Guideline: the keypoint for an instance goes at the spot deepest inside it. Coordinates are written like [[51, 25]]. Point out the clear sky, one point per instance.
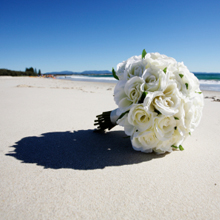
[[78, 35]]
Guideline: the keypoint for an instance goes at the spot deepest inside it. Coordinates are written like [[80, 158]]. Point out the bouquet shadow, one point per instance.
[[81, 150]]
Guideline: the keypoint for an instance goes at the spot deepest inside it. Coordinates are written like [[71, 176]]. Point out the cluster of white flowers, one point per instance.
[[159, 102]]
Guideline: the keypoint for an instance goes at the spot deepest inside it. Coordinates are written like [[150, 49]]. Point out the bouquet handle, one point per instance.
[[107, 120]]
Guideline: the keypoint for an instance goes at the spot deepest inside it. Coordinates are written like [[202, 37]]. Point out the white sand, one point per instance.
[[54, 167]]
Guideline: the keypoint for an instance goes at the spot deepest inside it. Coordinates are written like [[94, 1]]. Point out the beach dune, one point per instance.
[[53, 166]]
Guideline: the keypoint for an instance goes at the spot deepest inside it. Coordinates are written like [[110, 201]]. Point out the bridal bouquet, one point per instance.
[[159, 102]]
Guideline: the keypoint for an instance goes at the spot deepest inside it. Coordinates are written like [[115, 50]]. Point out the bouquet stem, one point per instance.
[[104, 121]]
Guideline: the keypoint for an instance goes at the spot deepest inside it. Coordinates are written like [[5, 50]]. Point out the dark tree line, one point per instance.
[[32, 70], [6, 72], [28, 72]]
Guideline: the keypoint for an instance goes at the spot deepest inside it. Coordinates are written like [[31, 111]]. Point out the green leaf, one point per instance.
[[121, 116], [144, 94], [174, 146], [189, 133], [159, 113], [165, 70], [144, 53], [175, 127], [186, 85], [181, 148], [181, 75], [176, 118], [114, 74], [199, 92]]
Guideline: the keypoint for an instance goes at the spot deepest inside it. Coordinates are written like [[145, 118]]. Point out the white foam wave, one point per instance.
[[213, 82], [88, 78], [93, 78], [212, 85]]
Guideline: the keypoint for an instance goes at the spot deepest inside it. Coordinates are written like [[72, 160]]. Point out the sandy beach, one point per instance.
[[53, 166]]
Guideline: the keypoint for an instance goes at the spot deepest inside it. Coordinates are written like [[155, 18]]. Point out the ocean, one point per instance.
[[208, 81]]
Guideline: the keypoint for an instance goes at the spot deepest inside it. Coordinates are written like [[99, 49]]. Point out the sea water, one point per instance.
[[208, 81]]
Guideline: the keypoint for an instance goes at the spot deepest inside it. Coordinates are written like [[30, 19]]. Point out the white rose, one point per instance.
[[155, 56], [129, 129], [198, 104], [193, 112], [158, 56], [166, 146], [120, 70], [144, 141], [190, 113], [127, 94], [159, 60], [166, 102], [180, 116], [186, 81], [135, 66], [164, 127], [119, 93], [155, 79], [140, 117]]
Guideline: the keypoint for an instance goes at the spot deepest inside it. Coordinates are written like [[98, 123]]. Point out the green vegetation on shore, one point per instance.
[[28, 72]]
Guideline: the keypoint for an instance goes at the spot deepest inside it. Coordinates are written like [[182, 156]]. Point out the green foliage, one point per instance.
[[144, 53], [39, 72], [114, 74], [122, 115], [174, 146], [165, 70], [144, 94], [31, 69], [6, 72], [181, 147], [158, 112]]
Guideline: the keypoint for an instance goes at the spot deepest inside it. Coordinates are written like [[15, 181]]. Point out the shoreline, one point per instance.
[[205, 86], [208, 85], [206, 92], [87, 83]]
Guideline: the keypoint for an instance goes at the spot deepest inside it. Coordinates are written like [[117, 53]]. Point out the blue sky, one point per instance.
[[98, 34]]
